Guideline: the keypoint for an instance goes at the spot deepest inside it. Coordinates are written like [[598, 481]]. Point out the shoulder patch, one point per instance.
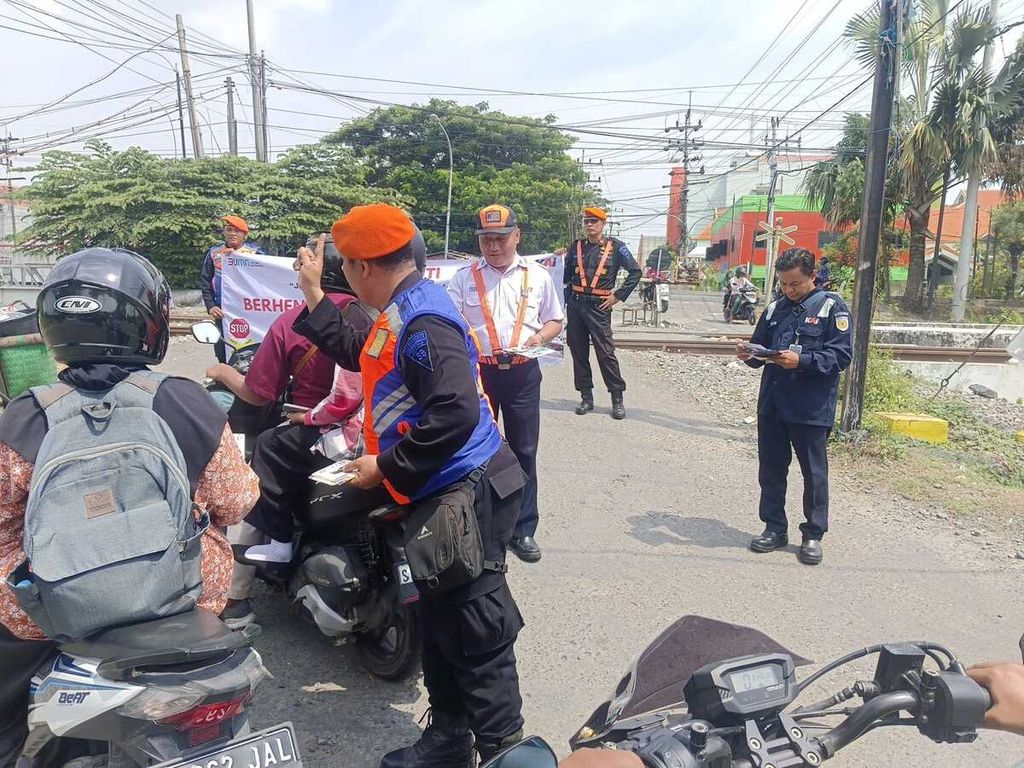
[[417, 349], [842, 323], [377, 345]]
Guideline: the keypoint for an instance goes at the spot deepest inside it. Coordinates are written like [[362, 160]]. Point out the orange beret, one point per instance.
[[237, 222], [371, 231], [597, 213]]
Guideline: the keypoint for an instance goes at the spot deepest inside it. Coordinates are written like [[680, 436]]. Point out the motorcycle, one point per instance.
[[654, 289], [747, 309], [707, 694], [171, 692], [348, 573]]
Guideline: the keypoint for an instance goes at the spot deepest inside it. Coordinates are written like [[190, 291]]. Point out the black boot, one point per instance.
[[488, 749], [618, 408], [446, 743], [586, 402]]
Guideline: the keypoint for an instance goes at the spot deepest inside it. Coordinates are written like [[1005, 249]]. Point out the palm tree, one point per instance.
[[941, 128]]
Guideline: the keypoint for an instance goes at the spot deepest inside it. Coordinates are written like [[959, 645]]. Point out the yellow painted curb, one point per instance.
[[1020, 437], [918, 427]]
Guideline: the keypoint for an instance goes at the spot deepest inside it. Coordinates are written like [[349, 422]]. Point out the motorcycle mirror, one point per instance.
[[533, 752], [206, 332]]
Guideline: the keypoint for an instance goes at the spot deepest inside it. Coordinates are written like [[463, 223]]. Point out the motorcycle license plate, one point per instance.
[[271, 747]]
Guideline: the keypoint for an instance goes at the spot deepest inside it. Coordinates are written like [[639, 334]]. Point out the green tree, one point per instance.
[[169, 210], [1008, 228], [519, 162]]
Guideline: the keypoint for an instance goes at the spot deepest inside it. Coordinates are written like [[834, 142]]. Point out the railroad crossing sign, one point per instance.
[[779, 233]]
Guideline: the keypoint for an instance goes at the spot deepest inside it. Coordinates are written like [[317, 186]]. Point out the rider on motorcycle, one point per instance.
[[124, 329], [282, 456], [739, 284]]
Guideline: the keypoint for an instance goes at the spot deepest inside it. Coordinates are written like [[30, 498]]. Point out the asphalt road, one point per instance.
[[644, 521]]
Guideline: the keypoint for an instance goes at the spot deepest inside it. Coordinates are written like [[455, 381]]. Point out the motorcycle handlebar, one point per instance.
[[857, 724]]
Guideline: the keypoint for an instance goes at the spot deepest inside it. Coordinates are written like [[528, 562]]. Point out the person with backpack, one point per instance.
[[115, 481]]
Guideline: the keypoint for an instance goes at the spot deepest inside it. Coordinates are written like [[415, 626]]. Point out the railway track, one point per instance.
[[181, 325], [908, 352]]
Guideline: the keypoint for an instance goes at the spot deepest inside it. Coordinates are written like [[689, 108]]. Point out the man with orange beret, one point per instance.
[[432, 442], [591, 268], [235, 231]]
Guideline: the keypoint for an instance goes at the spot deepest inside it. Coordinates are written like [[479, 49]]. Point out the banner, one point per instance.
[[256, 289]]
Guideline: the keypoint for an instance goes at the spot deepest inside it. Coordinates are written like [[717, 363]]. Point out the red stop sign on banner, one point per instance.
[[239, 328]]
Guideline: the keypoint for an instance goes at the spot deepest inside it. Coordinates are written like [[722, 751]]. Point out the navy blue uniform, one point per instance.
[[797, 408]]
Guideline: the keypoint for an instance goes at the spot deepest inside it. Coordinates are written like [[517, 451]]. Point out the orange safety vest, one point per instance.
[[391, 410], [592, 288], [485, 307]]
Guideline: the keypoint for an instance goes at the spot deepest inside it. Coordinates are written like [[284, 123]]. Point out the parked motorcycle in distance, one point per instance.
[[348, 574], [707, 694]]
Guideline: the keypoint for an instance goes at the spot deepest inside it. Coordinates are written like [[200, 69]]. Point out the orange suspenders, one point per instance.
[[592, 288], [492, 332]]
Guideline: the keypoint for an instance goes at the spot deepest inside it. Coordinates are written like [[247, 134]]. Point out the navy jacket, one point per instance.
[[820, 324]]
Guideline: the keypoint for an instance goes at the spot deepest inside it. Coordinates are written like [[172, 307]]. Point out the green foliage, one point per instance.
[[519, 162], [888, 387], [168, 210]]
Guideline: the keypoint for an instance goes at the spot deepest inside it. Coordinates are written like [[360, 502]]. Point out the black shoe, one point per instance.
[[586, 403], [810, 552], [446, 743], [525, 548], [769, 541], [238, 615], [618, 407]]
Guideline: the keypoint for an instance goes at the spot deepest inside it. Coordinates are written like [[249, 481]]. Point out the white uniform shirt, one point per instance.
[[503, 293]]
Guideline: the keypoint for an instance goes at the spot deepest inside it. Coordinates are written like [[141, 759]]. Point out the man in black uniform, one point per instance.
[[809, 332], [591, 266], [432, 441]]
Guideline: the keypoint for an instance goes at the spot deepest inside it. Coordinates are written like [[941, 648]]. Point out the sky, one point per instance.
[[622, 67]]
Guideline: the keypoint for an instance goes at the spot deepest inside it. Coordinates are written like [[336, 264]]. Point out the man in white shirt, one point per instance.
[[511, 304]]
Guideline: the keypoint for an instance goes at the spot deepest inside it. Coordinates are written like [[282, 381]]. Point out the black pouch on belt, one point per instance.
[[442, 539]]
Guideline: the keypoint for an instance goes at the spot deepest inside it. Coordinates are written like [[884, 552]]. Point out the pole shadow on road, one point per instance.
[[697, 427], [657, 528], [354, 726]]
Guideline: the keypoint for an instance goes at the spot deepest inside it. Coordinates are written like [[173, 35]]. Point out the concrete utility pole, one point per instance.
[[771, 246], [962, 276], [186, 73], [256, 79], [181, 115], [871, 215], [5, 159], [686, 145], [451, 174], [232, 123]]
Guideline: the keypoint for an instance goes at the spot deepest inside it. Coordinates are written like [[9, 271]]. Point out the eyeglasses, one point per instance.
[[591, 221]]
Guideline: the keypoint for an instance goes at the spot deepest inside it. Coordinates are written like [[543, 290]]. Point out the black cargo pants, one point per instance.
[[588, 322]]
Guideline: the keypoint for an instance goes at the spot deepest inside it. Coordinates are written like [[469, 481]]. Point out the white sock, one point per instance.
[[274, 552]]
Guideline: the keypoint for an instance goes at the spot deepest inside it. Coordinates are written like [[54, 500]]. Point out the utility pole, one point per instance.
[[181, 115], [871, 214], [5, 160], [686, 145], [232, 123], [771, 245], [256, 79], [263, 106], [186, 73], [961, 277]]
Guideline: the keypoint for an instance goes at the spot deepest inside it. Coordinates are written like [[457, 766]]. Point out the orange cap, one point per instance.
[[237, 222], [371, 231], [597, 213]]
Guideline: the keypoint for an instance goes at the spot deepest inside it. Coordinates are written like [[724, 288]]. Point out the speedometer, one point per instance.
[[737, 689]]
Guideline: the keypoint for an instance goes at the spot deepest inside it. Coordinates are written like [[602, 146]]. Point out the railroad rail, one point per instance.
[[182, 323], [907, 352]]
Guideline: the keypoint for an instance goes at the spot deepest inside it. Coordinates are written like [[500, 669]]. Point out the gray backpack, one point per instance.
[[111, 535]]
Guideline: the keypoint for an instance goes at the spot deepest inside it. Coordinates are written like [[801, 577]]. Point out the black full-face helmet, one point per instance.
[[105, 305]]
